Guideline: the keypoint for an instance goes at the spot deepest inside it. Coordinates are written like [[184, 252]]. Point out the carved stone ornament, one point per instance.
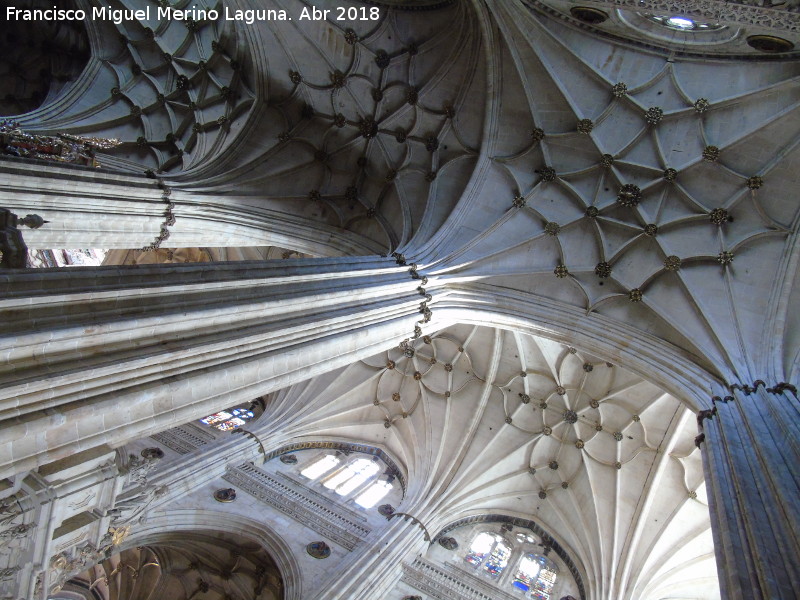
[[552, 228], [606, 161], [350, 37], [509, 420], [546, 430], [553, 464], [672, 263], [603, 269], [561, 271], [412, 597], [670, 174], [542, 494], [412, 96], [524, 398], [288, 459], [585, 126], [710, 153], [651, 229], [570, 416], [118, 534], [592, 212], [598, 427], [561, 390], [588, 367], [537, 134], [718, 216], [368, 128], [338, 79], [617, 465], [754, 182], [619, 90], [725, 257], [653, 115], [547, 173], [701, 105], [318, 550], [635, 295], [579, 444], [629, 195], [448, 543], [636, 418], [152, 453], [225, 495], [564, 485], [386, 510], [594, 404]]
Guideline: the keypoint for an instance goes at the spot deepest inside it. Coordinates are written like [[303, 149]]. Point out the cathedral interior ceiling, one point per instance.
[[630, 183], [494, 145], [489, 421]]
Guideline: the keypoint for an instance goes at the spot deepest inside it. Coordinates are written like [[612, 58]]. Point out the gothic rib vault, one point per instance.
[[569, 190]]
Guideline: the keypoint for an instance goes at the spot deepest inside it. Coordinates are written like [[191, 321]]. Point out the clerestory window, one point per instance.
[[359, 477]]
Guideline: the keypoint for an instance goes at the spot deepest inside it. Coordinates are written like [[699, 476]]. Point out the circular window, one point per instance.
[[683, 23]]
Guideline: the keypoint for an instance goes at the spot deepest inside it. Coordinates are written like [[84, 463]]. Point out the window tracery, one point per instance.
[[532, 574], [359, 478]]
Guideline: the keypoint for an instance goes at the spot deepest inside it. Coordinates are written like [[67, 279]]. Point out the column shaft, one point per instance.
[[752, 468], [111, 354]]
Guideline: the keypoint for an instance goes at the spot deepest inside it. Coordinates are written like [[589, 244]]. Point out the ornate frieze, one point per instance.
[[302, 504], [184, 439]]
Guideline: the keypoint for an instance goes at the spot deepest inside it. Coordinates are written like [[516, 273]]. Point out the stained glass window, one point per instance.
[[323, 465], [491, 551], [374, 494], [227, 420], [498, 559], [536, 575], [527, 573]]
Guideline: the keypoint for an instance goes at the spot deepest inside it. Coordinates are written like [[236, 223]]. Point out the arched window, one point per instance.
[[352, 476], [227, 420], [535, 574], [357, 476], [489, 552], [321, 466], [374, 494]]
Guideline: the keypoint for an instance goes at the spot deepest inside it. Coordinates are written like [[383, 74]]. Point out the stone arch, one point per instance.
[[169, 522], [674, 370], [348, 445]]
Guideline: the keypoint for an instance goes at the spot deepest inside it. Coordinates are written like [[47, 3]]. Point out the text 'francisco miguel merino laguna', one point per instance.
[[118, 16]]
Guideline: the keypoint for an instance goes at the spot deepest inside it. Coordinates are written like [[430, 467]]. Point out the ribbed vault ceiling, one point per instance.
[[488, 141], [184, 567], [491, 421]]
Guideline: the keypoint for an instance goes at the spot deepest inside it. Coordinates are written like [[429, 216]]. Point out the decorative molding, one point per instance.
[[184, 439], [303, 507], [448, 582]]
